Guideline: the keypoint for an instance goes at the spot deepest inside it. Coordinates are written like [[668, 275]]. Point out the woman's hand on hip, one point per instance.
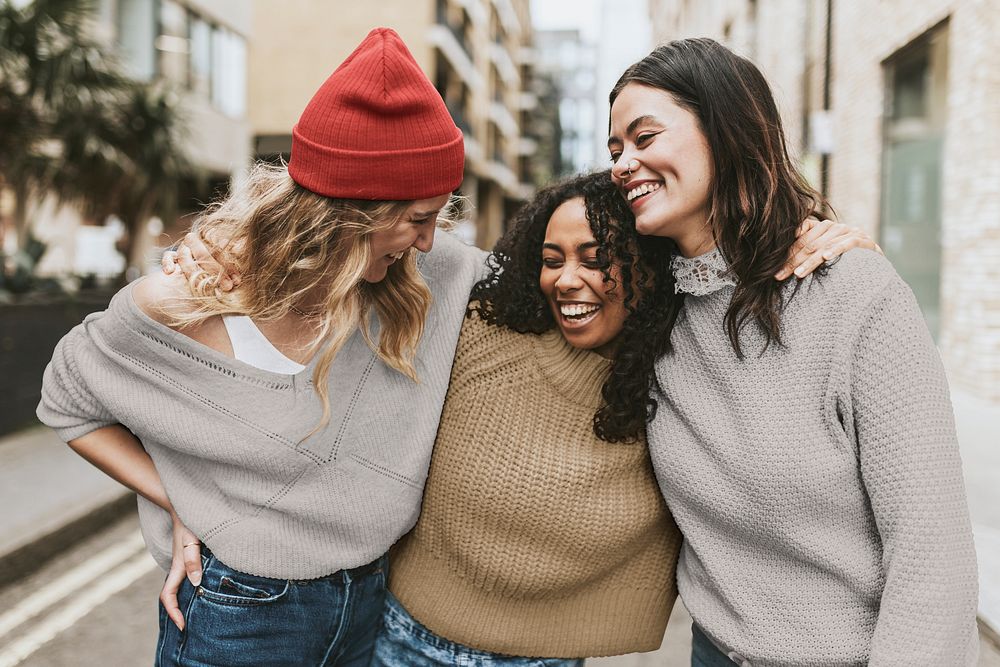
[[186, 562], [197, 261], [820, 241]]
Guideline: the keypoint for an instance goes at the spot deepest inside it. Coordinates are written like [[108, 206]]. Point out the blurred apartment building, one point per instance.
[[199, 47], [477, 52], [566, 88], [891, 108]]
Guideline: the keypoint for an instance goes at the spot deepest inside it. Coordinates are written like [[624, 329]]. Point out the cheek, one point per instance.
[[547, 282]]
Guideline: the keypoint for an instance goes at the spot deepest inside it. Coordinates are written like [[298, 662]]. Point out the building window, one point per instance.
[[172, 43], [201, 58], [136, 32], [229, 72], [912, 157]]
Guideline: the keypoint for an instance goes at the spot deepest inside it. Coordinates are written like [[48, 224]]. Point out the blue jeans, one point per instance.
[[704, 653], [403, 642], [235, 618]]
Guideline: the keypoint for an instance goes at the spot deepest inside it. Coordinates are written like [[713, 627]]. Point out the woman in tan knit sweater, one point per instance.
[[535, 537]]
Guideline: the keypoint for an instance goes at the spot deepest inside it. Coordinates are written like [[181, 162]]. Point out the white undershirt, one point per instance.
[[251, 346]]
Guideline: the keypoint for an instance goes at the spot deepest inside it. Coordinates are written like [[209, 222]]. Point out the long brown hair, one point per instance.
[[289, 242], [758, 198]]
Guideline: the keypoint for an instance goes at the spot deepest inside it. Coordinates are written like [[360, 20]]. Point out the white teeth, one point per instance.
[[569, 310], [643, 189]]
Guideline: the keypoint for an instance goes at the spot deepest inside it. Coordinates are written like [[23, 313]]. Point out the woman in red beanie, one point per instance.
[[278, 434]]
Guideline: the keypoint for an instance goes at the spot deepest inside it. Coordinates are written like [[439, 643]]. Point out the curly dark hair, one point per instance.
[[510, 295]]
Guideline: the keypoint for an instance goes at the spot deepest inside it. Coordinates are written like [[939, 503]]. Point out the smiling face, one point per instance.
[[414, 229], [663, 164], [571, 279]]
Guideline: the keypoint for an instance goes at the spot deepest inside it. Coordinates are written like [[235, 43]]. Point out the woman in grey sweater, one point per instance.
[[802, 433], [295, 460]]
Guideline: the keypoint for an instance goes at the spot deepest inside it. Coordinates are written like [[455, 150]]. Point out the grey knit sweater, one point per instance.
[[818, 486], [229, 440]]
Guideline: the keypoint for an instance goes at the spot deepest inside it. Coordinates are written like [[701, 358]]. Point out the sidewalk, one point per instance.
[[52, 498], [978, 424]]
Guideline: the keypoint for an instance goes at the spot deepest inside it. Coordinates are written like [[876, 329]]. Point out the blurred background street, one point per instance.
[[119, 119]]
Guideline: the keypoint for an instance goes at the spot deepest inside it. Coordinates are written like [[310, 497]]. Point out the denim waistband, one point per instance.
[[351, 573]]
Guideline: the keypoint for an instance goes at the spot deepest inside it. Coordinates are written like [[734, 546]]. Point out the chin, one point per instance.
[[647, 227]]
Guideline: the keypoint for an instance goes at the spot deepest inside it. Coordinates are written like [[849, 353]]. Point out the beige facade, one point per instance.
[[475, 51], [911, 135]]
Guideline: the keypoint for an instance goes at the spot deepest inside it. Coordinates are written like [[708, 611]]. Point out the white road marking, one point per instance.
[[86, 586], [68, 583]]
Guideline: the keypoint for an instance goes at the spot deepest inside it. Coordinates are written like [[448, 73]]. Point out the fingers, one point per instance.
[[185, 260], [806, 245], [858, 239], [168, 596], [212, 259], [168, 262], [192, 563], [806, 225], [809, 264]]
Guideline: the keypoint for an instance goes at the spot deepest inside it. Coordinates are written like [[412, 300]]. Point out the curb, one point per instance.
[[29, 558], [988, 634]]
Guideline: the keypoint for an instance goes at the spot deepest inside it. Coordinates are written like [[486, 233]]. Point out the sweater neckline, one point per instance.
[[576, 374], [183, 344], [701, 275]]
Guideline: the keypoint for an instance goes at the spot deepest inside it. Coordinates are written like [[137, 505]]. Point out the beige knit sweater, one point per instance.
[[535, 538]]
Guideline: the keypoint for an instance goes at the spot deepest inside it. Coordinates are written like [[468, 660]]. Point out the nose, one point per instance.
[[568, 280], [425, 238], [624, 167]]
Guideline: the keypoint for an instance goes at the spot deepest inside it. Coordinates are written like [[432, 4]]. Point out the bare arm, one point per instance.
[[120, 455]]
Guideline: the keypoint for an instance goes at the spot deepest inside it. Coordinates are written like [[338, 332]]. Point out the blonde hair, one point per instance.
[[287, 242]]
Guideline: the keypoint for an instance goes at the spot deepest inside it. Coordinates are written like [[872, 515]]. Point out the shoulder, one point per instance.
[[856, 279], [490, 344], [162, 297], [476, 330], [154, 293], [450, 258]]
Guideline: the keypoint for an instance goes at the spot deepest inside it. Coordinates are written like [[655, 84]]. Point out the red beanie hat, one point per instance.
[[377, 129]]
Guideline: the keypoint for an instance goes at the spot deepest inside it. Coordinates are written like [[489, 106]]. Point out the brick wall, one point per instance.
[[785, 43]]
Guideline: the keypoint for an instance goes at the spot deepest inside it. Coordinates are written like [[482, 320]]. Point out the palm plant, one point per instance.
[[74, 126]]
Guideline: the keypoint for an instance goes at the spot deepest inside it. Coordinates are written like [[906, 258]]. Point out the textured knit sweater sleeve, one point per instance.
[[911, 470], [68, 405]]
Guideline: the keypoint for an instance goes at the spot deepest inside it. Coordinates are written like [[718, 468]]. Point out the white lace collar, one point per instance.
[[701, 275]]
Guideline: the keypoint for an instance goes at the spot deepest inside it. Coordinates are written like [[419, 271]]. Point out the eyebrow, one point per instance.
[[425, 214], [631, 128], [583, 246]]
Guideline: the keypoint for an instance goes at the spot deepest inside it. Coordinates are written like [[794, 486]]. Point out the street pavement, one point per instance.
[[95, 603]]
